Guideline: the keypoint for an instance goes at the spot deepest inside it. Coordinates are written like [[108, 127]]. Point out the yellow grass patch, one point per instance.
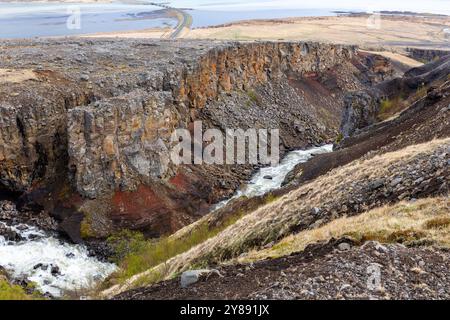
[[395, 32], [423, 221], [16, 75]]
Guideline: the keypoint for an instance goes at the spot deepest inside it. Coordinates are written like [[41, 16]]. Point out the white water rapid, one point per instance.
[[271, 178], [53, 265]]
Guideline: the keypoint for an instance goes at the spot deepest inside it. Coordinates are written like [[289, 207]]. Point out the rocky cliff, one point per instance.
[[426, 55], [86, 135], [388, 98]]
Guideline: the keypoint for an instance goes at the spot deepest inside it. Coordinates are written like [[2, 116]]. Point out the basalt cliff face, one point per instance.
[[371, 105], [85, 132]]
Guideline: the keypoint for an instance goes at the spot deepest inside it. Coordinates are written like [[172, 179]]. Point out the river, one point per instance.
[[57, 266], [270, 178], [53, 265]]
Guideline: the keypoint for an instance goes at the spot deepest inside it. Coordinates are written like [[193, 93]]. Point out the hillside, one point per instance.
[[86, 131], [318, 225]]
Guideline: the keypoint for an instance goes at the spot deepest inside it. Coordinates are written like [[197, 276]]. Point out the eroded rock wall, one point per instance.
[[122, 142], [96, 120], [119, 143], [362, 108], [427, 55], [242, 66]]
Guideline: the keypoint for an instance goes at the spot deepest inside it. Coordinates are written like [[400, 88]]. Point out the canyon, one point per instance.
[[87, 137], [85, 142]]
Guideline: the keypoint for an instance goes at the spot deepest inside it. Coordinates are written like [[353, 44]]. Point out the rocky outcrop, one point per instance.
[[362, 108], [91, 128], [426, 55], [120, 143]]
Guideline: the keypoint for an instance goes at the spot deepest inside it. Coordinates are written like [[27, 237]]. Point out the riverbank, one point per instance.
[[34, 256]]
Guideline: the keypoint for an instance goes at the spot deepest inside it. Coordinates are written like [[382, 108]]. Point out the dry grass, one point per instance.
[[397, 57], [16, 75], [394, 31], [277, 219], [391, 107], [423, 221]]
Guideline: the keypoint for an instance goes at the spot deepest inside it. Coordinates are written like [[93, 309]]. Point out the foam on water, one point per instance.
[[77, 269], [260, 184]]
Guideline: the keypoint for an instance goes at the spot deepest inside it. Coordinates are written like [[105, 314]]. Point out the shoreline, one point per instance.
[[345, 27]]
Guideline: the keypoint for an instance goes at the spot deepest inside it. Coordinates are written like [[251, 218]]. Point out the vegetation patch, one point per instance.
[[14, 292], [389, 107], [437, 223], [135, 254], [254, 97], [85, 227], [423, 222]]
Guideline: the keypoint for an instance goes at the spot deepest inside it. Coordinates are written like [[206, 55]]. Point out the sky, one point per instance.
[[430, 6]]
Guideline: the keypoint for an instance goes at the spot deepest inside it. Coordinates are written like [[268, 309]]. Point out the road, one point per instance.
[[184, 20]]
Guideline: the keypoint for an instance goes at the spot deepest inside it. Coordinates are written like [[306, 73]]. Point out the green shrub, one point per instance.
[[340, 137], [254, 96], [126, 242], [421, 92], [14, 292], [386, 105]]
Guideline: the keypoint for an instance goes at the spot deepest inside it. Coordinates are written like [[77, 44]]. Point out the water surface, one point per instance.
[[271, 178], [34, 257]]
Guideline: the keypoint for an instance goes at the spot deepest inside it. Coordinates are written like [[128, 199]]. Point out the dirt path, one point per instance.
[[184, 24]]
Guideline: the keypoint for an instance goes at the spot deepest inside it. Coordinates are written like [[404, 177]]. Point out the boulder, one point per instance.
[[192, 276]]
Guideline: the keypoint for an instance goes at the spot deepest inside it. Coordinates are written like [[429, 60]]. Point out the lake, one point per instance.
[[26, 20]]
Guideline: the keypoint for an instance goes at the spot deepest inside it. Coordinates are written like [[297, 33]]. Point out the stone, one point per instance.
[[55, 271], [41, 266], [381, 248], [192, 276], [345, 287], [344, 246], [9, 234], [396, 181], [376, 184]]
